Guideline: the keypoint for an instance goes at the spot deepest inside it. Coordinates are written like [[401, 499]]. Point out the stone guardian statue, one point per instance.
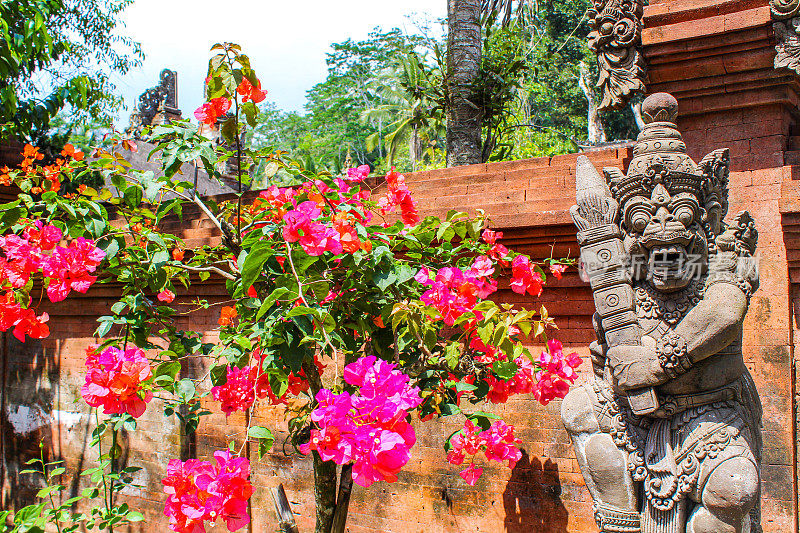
[[667, 434]]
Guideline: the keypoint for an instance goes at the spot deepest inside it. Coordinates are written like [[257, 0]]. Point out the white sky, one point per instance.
[[286, 40]]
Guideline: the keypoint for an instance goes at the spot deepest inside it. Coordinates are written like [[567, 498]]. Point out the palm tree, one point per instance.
[[416, 117], [464, 41]]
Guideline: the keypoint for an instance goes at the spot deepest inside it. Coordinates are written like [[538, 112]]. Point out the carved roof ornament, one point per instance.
[[157, 105], [786, 14], [616, 38]]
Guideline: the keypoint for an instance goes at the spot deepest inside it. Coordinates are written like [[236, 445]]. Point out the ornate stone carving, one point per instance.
[[671, 419], [786, 13], [158, 104], [616, 38]]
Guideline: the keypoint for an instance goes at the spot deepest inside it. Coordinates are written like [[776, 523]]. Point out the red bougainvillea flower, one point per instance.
[[70, 151], [238, 392], [166, 296], [525, 278], [399, 196], [177, 254], [368, 428], [226, 315], [558, 270], [248, 91], [209, 112], [201, 491], [497, 443], [31, 325], [114, 381]]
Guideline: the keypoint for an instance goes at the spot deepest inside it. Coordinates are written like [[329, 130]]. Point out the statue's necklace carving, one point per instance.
[[652, 304]]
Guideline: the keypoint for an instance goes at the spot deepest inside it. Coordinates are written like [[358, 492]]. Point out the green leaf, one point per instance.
[[219, 375], [264, 436], [167, 372], [505, 369], [384, 278], [133, 196], [134, 516], [185, 389], [47, 491], [271, 299], [300, 310], [11, 216], [254, 262]]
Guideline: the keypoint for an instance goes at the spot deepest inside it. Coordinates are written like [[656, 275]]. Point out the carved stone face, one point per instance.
[[667, 244]]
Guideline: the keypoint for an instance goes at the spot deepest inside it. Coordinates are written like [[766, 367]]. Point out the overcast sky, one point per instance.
[[286, 40]]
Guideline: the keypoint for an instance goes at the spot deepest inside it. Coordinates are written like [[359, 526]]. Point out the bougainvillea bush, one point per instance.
[[358, 316]]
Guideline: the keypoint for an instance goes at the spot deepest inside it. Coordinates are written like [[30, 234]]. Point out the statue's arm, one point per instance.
[[714, 322], [708, 328]]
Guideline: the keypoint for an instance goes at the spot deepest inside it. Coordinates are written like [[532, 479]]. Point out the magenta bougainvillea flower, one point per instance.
[[64, 269], [454, 292], [70, 268], [114, 380], [201, 491], [368, 428]]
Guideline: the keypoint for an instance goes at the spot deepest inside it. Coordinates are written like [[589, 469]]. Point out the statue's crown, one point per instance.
[[659, 155]]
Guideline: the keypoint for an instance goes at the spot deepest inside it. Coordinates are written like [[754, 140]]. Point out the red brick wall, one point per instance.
[[543, 493]]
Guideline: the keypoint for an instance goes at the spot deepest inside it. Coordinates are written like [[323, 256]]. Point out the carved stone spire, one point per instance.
[[157, 105], [786, 13], [616, 38]]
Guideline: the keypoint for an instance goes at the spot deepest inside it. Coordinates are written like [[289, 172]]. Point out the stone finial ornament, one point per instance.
[[616, 38], [667, 433], [157, 105], [786, 14]]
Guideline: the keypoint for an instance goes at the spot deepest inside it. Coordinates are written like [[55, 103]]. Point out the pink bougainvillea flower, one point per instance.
[[212, 110], [68, 268], [166, 296], [558, 270], [201, 491], [471, 474], [114, 381], [248, 91], [368, 428], [358, 174]]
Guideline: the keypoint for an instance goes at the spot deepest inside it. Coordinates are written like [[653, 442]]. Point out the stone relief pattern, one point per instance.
[[786, 14], [616, 38]]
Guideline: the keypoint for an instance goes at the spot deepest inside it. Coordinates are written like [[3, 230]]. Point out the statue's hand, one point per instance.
[[635, 367]]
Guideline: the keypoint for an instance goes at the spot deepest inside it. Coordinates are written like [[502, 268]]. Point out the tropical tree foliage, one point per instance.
[[56, 54], [385, 100]]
